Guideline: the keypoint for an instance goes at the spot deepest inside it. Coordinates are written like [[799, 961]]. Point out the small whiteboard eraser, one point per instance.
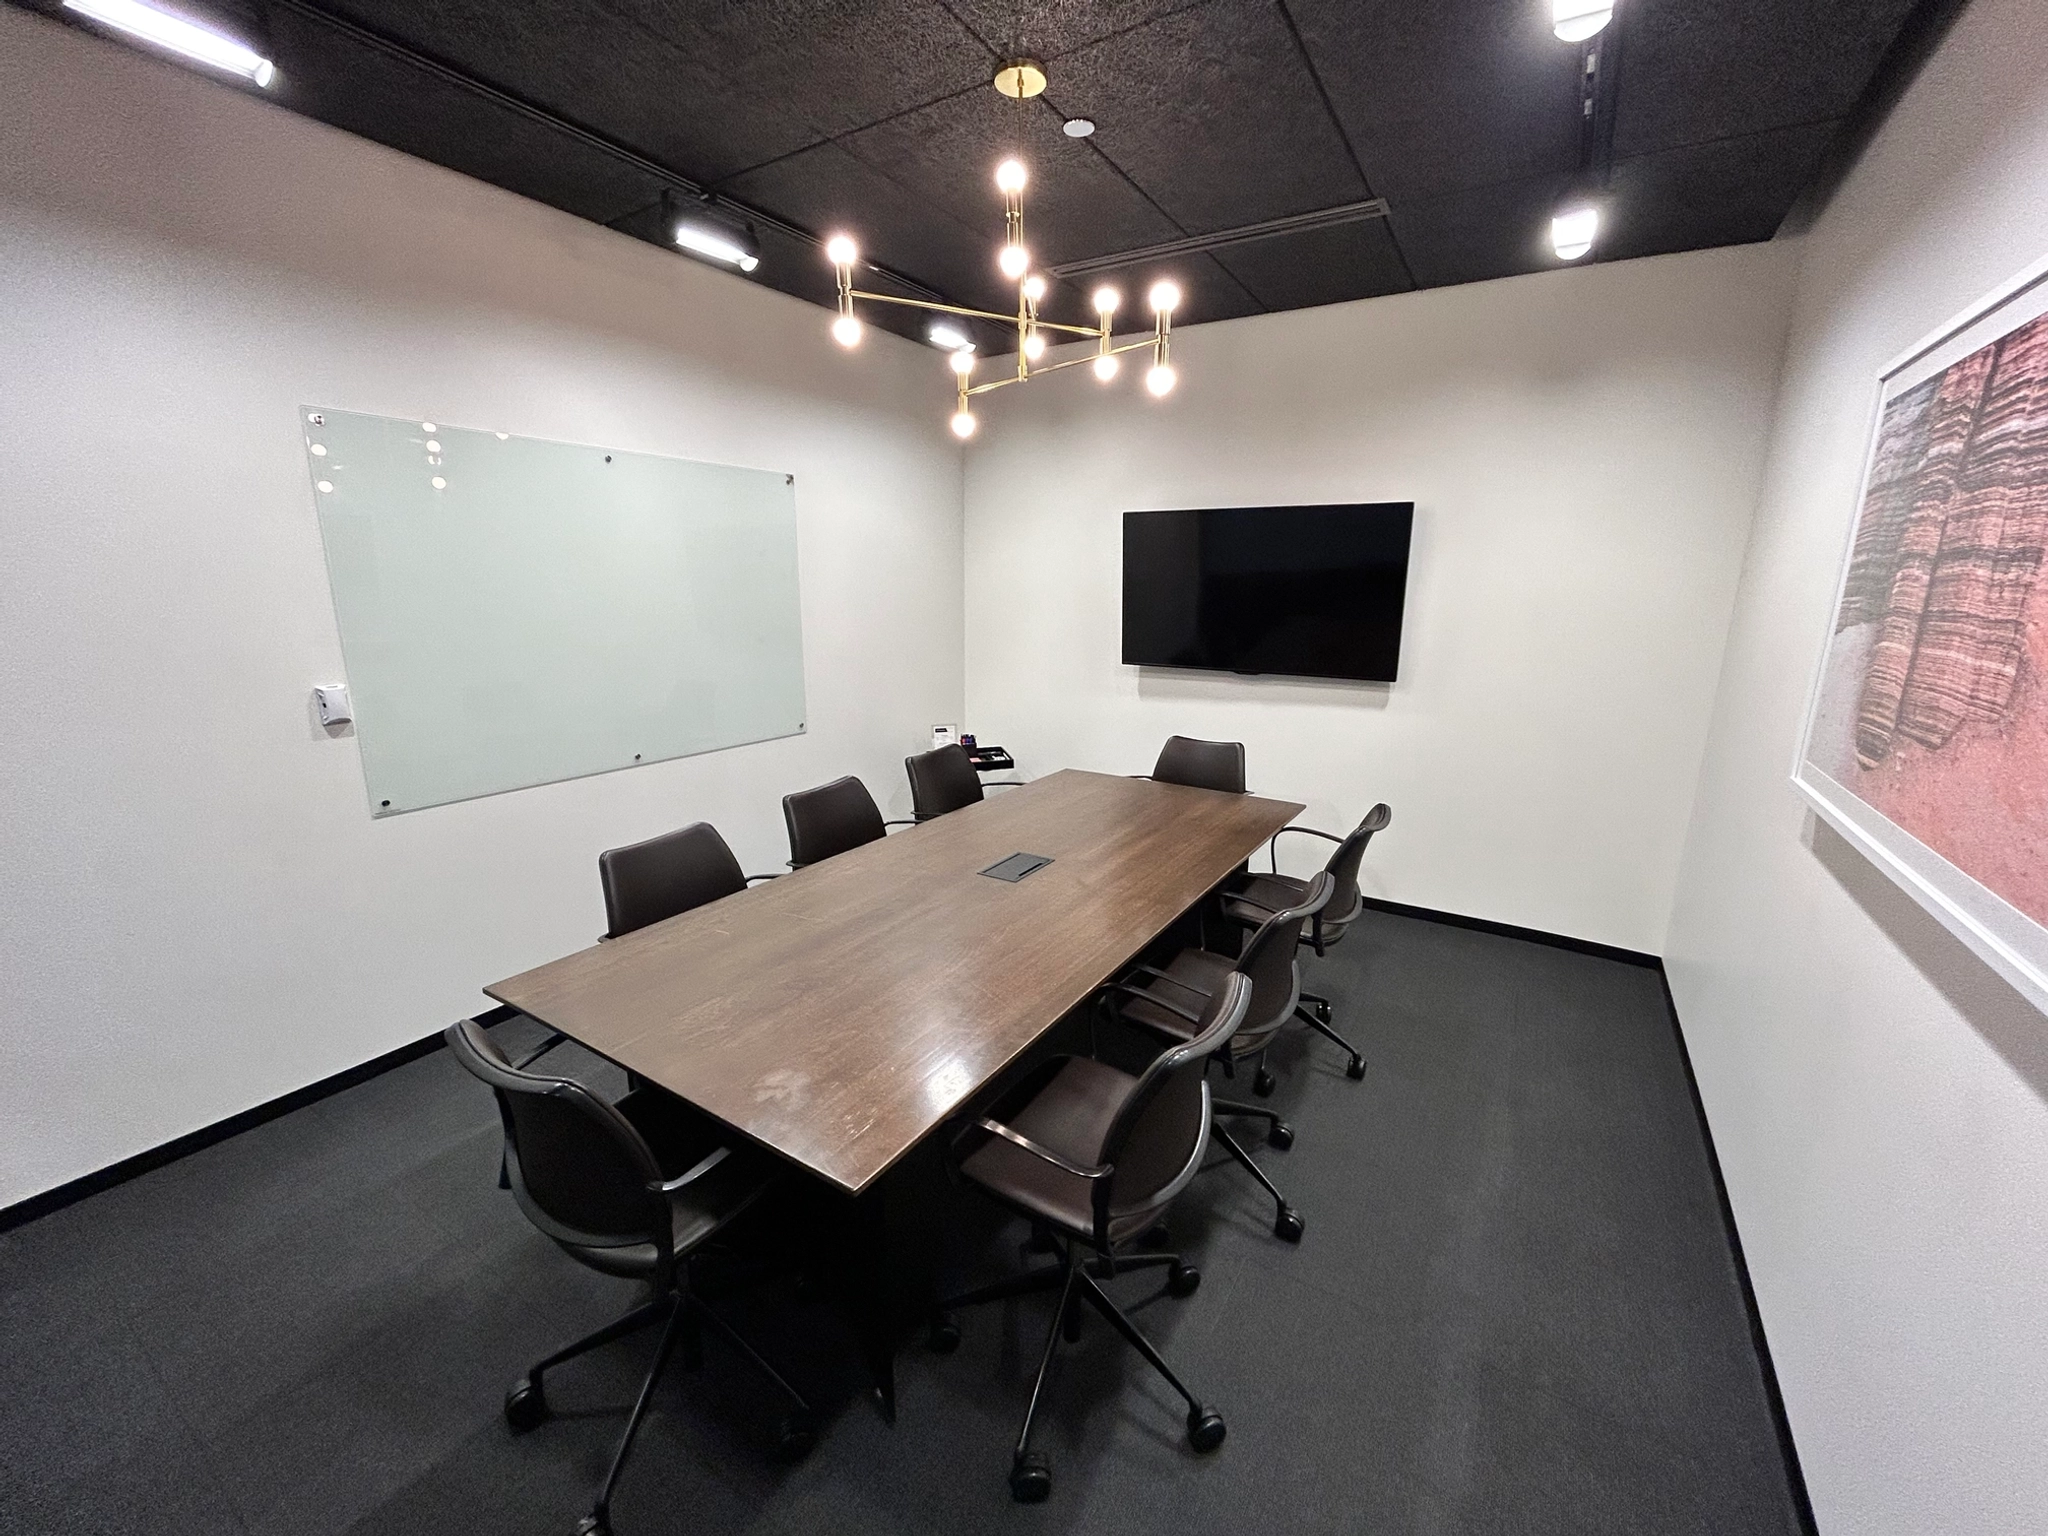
[[332, 699]]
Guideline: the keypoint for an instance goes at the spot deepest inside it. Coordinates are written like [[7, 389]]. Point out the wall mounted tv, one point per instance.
[[1292, 591]]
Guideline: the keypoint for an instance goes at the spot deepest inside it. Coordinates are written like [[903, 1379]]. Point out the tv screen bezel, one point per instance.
[[1124, 607]]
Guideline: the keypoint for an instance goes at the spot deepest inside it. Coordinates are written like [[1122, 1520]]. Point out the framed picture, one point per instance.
[[1926, 740]]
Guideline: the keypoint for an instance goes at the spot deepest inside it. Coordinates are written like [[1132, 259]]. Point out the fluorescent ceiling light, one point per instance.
[[1572, 232], [1577, 20], [719, 244], [180, 36], [952, 338]]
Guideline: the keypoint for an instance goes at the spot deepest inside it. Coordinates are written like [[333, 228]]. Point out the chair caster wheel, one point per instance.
[[1264, 1084], [1281, 1137], [1182, 1279], [1356, 1069], [1289, 1226], [1323, 1012], [1205, 1429], [795, 1437], [525, 1406], [594, 1525], [1031, 1478], [944, 1334]]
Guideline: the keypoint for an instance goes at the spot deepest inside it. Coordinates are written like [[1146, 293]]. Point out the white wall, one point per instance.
[[1583, 448], [1876, 1093], [197, 912]]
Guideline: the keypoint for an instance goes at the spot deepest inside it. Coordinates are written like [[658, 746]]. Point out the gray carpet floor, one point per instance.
[[1515, 1310]]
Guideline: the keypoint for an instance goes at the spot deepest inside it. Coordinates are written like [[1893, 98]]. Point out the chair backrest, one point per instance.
[[579, 1170], [1203, 764], [941, 780], [1158, 1133], [1268, 956], [646, 882], [830, 819], [1343, 865]]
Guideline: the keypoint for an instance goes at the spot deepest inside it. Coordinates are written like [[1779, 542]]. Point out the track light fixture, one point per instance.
[[1020, 79], [176, 34], [702, 233], [1577, 20]]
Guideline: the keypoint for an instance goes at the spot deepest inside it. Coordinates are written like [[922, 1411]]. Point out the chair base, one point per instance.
[[1078, 1280], [682, 1316], [1319, 1021], [1288, 1225]]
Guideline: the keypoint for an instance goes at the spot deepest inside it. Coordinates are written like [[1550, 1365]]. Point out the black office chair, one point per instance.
[[944, 780], [831, 819], [1202, 764], [1164, 1001], [1094, 1157], [631, 1189], [1258, 896], [652, 880]]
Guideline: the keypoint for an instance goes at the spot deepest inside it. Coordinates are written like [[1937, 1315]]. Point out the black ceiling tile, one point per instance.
[[1479, 232], [1045, 29], [583, 62], [835, 65], [1319, 266], [830, 190], [1456, 94], [1075, 205], [1708, 69], [329, 77], [1214, 114], [1728, 192]]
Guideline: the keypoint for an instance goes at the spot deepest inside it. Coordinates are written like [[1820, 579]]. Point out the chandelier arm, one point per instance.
[[937, 308]]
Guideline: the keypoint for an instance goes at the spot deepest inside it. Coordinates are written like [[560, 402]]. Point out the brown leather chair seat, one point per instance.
[[1070, 1115]]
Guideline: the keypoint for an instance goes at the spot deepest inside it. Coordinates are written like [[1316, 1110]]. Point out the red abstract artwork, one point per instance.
[[1932, 708]]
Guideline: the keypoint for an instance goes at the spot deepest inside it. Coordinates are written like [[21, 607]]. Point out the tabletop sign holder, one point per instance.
[[1016, 867]]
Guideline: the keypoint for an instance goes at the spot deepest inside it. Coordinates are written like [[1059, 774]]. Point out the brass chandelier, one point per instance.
[[1019, 79]]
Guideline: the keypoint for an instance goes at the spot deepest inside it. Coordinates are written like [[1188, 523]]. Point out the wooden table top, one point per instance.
[[839, 1014]]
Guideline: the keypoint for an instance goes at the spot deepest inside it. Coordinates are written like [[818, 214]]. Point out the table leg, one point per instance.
[[870, 1299]]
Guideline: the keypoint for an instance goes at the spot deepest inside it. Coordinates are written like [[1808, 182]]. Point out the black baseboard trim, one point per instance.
[[1795, 1476], [1510, 931], [35, 1206]]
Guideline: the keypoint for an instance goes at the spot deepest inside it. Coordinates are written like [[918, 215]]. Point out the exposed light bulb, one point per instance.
[[951, 337], [963, 361], [179, 36], [1576, 20], [1105, 367], [1572, 232], [846, 331], [1160, 379], [1034, 346], [1106, 301], [1163, 298], [1010, 176], [963, 424], [1013, 261], [841, 251], [1034, 287]]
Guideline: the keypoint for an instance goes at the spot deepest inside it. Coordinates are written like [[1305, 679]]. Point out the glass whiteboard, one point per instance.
[[514, 611]]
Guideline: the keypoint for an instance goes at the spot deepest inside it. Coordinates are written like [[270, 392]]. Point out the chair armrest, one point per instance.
[[1157, 1002], [555, 1038], [1004, 783], [1042, 1153], [704, 1166], [776, 876], [1171, 981], [1273, 845], [910, 823]]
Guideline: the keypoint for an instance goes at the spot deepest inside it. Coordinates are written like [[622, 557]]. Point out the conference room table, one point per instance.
[[839, 1015]]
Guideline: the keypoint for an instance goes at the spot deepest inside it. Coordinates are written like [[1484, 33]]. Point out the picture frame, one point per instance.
[[1925, 737]]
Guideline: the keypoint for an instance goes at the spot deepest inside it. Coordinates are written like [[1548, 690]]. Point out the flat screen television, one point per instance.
[[1291, 591]]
